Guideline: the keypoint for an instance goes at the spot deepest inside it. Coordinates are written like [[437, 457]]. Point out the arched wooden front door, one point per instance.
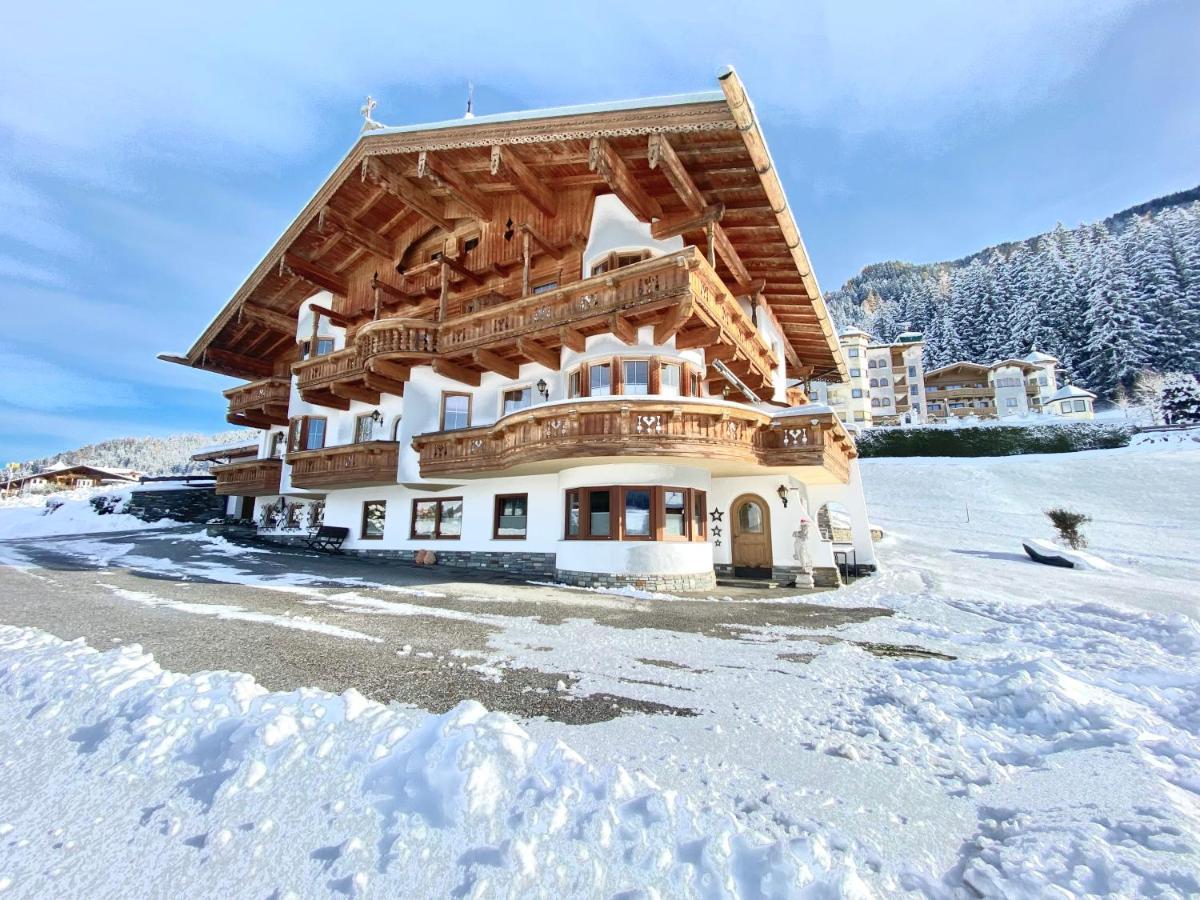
[[751, 537]]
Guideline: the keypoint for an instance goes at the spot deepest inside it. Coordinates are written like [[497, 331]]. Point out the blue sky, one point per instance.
[[149, 155]]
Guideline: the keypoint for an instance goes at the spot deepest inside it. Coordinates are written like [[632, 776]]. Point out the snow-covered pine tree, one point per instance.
[[1116, 345], [1179, 399]]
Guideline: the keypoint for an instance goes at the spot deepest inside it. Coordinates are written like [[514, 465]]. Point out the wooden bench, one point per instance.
[[328, 538]]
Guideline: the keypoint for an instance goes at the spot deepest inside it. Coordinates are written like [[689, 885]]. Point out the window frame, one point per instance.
[[298, 433], [437, 520], [610, 262], [522, 387], [362, 524], [695, 511], [358, 427], [442, 416], [649, 364], [496, 503]]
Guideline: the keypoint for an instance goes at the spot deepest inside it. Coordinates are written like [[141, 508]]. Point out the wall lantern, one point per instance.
[[376, 416], [783, 494], [543, 388]]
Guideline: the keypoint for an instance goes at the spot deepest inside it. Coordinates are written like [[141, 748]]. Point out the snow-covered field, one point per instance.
[[1048, 745], [69, 512]]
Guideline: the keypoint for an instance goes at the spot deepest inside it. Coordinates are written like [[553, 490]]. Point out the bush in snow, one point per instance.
[[52, 504], [992, 440], [108, 504], [1067, 524], [1179, 399]]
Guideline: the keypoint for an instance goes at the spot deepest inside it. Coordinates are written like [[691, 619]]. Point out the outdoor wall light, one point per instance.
[[376, 417], [783, 492], [543, 388]]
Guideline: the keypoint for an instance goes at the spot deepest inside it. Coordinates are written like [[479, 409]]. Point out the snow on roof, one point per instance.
[[1071, 391], [909, 337], [852, 331], [1012, 361], [1036, 356], [955, 365], [807, 409], [223, 449], [582, 109]]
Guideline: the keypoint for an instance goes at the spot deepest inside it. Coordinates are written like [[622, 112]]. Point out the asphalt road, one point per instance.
[[186, 601]]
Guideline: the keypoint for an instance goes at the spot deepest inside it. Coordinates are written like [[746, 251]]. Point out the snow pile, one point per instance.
[[66, 512], [205, 773]]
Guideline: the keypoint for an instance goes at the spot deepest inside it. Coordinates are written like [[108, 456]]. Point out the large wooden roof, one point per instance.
[[668, 157]]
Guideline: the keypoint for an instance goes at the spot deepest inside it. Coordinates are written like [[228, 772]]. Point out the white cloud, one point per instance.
[[35, 384], [18, 270]]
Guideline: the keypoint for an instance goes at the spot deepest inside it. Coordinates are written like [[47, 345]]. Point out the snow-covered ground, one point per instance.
[[1048, 744], [64, 512]]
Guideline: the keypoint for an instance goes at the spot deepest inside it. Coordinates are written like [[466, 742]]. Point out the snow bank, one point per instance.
[[32, 516], [223, 783]]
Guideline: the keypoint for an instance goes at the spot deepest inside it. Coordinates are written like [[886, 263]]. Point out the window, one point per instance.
[[883, 382], [544, 287], [364, 428], [599, 380], [1010, 402], [875, 401], [635, 376], [435, 255], [276, 448], [619, 260], [856, 392], [668, 380], [887, 401], [456, 411], [637, 513], [854, 373], [916, 407], [324, 346], [750, 518], [640, 513], [693, 382], [374, 512], [470, 244], [1042, 380], [874, 382], [1066, 406], [515, 399], [912, 371], [1080, 406], [437, 519], [306, 433], [913, 390], [574, 380], [852, 352], [512, 517]]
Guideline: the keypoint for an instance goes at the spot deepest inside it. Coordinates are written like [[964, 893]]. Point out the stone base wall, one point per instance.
[[522, 565], [826, 577], [792, 576], [698, 581], [181, 504]]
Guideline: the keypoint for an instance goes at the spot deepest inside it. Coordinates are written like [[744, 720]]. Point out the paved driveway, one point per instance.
[[398, 633]]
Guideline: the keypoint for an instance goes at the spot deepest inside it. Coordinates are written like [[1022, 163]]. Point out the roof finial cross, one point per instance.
[[365, 111], [470, 113]]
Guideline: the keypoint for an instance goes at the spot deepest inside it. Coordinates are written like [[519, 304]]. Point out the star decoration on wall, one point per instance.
[[716, 531], [716, 543], [716, 515]]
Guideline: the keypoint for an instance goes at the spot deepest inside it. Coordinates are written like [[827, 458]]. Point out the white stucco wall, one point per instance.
[[614, 227]]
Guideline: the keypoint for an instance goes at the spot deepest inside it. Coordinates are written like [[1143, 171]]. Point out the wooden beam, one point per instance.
[[506, 162], [572, 339], [378, 173], [460, 269], [682, 223], [696, 337], [624, 330], [329, 219], [441, 173], [674, 321], [390, 370], [496, 363], [539, 353], [455, 372], [661, 153], [538, 238], [237, 362], [325, 398], [313, 273], [727, 253], [384, 385], [604, 160], [341, 321], [355, 392], [273, 320]]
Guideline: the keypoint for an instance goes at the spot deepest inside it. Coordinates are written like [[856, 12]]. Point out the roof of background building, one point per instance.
[[1036, 356], [1070, 392]]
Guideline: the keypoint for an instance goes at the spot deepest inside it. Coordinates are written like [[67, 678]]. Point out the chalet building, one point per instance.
[[886, 383], [62, 477], [1073, 402], [556, 343]]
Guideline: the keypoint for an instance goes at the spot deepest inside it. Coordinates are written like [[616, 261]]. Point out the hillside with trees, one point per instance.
[[1110, 299], [152, 455]]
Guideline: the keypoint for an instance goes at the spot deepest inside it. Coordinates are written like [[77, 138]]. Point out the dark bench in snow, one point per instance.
[[1047, 554], [328, 538]]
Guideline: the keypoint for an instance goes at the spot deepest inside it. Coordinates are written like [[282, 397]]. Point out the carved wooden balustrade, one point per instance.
[[259, 404], [348, 465], [252, 478], [322, 372], [720, 436]]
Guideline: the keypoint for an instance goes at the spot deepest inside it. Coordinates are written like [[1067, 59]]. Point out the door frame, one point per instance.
[[733, 536]]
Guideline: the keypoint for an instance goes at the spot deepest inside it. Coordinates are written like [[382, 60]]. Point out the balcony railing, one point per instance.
[[259, 403], [720, 436], [253, 478], [349, 465], [682, 280]]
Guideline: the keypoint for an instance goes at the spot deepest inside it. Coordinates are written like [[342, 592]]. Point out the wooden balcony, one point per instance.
[[347, 466], [259, 404], [723, 438], [680, 294], [252, 478]]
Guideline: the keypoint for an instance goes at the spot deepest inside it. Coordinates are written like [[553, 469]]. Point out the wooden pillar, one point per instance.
[[712, 245], [312, 346], [444, 300], [525, 263]]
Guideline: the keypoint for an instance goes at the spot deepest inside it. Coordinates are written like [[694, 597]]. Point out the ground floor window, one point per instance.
[[437, 519], [373, 514], [635, 513], [512, 517]]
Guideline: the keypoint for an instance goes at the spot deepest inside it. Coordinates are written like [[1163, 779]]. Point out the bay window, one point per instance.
[[635, 513]]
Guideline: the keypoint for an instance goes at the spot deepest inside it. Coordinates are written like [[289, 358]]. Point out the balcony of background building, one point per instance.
[[345, 466], [259, 404], [726, 439], [679, 294]]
